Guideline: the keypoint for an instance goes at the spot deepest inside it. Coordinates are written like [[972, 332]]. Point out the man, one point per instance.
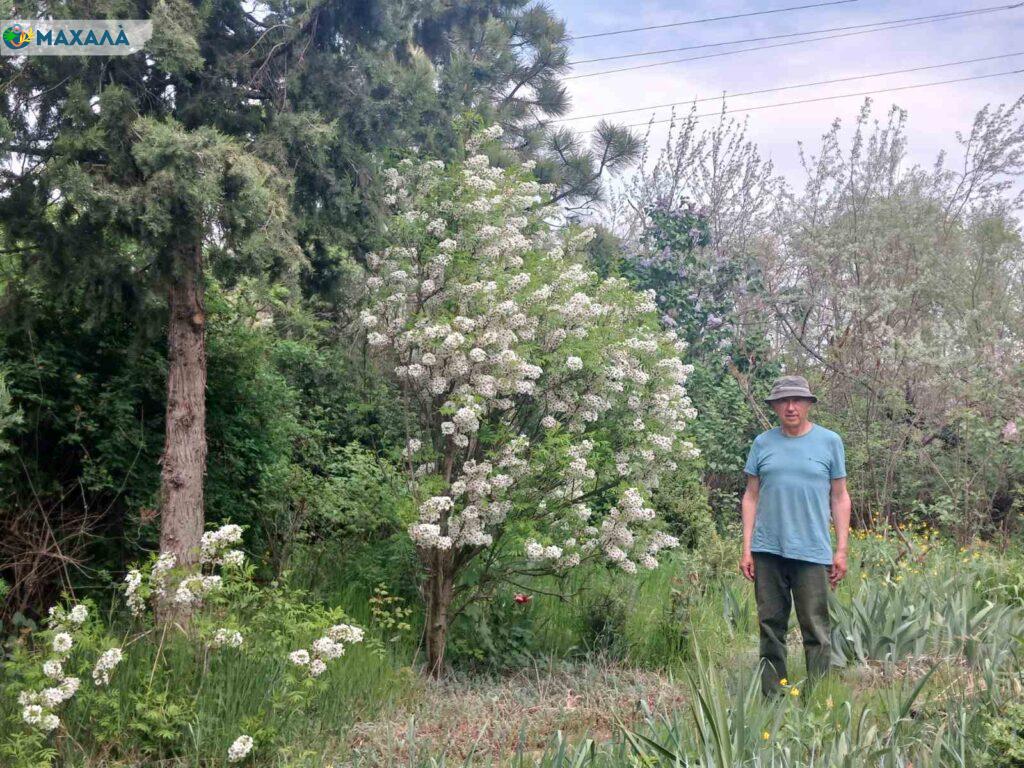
[[796, 475]]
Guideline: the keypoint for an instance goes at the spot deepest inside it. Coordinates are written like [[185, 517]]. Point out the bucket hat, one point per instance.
[[790, 386]]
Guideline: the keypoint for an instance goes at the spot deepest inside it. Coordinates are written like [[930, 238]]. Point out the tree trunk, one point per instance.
[[184, 456], [438, 592]]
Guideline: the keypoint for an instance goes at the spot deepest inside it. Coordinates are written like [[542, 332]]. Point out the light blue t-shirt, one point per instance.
[[795, 479]]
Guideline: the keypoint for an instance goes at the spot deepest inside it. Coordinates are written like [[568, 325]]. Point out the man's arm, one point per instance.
[[840, 502], [749, 511]]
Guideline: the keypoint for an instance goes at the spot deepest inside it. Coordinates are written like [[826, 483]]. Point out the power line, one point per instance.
[[968, 12], [827, 98], [713, 18], [791, 87], [785, 45]]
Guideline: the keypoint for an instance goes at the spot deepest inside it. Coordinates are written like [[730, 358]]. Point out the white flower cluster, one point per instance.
[[327, 648], [466, 334], [63, 620], [488, 134], [231, 638], [106, 663], [62, 643], [158, 576], [240, 749], [535, 551], [133, 582], [38, 706], [216, 547], [192, 589]]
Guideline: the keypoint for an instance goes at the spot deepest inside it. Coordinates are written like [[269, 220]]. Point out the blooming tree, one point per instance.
[[543, 402]]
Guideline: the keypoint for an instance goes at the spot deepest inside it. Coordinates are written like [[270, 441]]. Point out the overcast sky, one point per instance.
[[934, 114]]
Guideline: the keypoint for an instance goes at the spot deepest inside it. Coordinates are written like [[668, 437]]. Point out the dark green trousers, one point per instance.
[[779, 584]]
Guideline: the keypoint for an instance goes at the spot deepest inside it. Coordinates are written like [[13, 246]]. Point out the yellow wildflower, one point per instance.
[[783, 681], [766, 735], [794, 692]]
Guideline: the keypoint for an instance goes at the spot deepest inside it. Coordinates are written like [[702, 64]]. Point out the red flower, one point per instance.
[[521, 598]]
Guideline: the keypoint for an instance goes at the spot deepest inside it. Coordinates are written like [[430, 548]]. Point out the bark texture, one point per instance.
[[184, 456], [439, 588]]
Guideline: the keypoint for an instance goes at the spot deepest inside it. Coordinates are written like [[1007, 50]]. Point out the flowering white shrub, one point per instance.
[[163, 581], [493, 327], [38, 705], [230, 612]]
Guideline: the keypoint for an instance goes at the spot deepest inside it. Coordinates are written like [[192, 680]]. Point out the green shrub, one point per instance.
[[1005, 737]]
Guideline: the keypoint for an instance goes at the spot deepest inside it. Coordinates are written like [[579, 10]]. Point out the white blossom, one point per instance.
[[346, 633], [227, 637], [106, 663], [62, 643], [78, 614], [327, 648], [233, 558], [240, 749], [69, 687], [133, 581]]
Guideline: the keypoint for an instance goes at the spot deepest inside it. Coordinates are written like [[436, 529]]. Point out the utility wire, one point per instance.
[[967, 12], [791, 87], [827, 98], [793, 42], [713, 18]]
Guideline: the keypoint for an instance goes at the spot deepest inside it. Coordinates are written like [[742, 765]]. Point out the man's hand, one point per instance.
[[838, 569], [747, 565]]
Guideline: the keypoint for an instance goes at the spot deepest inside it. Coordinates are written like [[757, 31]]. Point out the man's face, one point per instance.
[[792, 411]]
